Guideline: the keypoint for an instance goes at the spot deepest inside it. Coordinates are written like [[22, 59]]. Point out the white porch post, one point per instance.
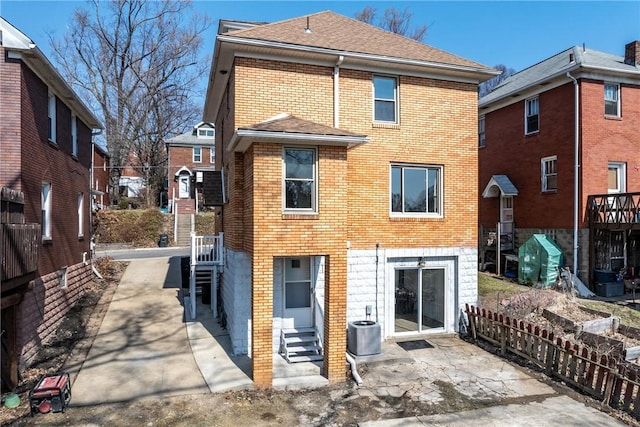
[[192, 277]]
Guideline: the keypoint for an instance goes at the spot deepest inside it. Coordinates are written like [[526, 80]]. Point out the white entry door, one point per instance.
[[298, 292], [184, 186]]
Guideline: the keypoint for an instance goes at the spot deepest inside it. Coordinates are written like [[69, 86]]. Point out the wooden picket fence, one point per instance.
[[610, 380]]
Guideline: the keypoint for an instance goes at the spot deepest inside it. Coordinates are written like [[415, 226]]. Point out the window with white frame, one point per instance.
[[481, 132], [549, 173], [300, 184], [206, 133], [212, 155], [197, 154], [74, 135], [45, 202], [80, 214], [416, 190], [532, 115], [385, 99], [612, 99], [51, 113], [616, 178]]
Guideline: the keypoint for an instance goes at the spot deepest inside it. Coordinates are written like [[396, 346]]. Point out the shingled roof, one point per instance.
[[330, 30], [576, 59]]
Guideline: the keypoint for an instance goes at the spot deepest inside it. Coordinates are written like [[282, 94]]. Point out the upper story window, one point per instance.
[[197, 154], [612, 99], [51, 113], [74, 135], [212, 155], [549, 173], [206, 133], [385, 99], [481, 132], [416, 190], [45, 203], [616, 178], [532, 116], [300, 184]]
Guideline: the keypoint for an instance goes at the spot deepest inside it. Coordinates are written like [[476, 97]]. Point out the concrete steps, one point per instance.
[[183, 236]]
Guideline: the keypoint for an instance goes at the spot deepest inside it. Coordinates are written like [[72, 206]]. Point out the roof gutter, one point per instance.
[[576, 170], [336, 92]]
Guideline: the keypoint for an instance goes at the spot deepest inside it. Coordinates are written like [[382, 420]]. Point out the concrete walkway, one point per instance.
[[142, 349]]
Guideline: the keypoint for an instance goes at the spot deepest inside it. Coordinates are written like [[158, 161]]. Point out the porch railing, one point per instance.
[[614, 209], [20, 243], [207, 250]]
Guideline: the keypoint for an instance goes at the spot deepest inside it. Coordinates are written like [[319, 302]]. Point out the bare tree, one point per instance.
[[492, 83], [132, 59], [393, 20]]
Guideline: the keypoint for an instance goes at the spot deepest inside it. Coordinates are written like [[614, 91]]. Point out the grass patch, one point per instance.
[[628, 316], [141, 228], [205, 223]]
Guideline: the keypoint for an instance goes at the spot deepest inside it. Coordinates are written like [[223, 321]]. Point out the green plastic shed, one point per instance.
[[539, 261]]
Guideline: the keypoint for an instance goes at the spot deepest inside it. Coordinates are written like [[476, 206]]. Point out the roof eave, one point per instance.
[[37, 61], [243, 138]]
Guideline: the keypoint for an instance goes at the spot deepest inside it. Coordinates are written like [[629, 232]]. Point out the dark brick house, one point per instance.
[[560, 154], [45, 141]]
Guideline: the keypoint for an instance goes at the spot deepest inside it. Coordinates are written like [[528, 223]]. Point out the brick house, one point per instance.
[[532, 178], [348, 155], [45, 141], [100, 179], [189, 154]]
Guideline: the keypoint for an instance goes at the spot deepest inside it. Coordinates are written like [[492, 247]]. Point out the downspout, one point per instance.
[[336, 92], [576, 174], [354, 369]]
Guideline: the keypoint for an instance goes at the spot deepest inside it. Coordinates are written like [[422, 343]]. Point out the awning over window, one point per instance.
[[499, 185]]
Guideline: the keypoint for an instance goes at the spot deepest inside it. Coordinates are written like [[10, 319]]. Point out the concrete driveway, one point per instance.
[[142, 349]]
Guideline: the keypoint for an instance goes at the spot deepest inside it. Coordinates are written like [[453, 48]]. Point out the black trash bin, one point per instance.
[[164, 241], [185, 270]]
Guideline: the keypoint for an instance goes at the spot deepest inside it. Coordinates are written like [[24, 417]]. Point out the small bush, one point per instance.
[[205, 223]]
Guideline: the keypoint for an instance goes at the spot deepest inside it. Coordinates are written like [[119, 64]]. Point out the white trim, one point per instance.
[[80, 214], [242, 139], [621, 177], [193, 154], [45, 206]]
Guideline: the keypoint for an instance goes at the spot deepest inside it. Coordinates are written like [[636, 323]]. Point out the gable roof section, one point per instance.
[[285, 128], [21, 47], [191, 138], [577, 60], [499, 185], [336, 39]]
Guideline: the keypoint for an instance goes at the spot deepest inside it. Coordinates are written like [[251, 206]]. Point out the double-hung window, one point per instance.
[[51, 113], [549, 173], [206, 133], [481, 132], [197, 154], [612, 99], [416, 190], [80, 214], [74, 135], [212, 155], [300, 183], [45, 203], [385, 99], [532, 116]]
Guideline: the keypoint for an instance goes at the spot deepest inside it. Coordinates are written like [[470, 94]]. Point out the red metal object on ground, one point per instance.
[[51, 394]]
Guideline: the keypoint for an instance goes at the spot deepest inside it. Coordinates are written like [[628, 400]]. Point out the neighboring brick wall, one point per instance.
[[10, 130], [44, 308], [509, 152], [608, 139], [53, 163]]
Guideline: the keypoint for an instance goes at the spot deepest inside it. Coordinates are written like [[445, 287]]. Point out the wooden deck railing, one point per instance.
[[207, 250], [614, 209], [20, 243], [615, 383]]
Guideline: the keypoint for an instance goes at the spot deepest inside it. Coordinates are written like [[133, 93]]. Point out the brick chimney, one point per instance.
[[632, 53]]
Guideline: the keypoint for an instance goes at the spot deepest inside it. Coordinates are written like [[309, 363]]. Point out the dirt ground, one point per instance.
[[335, 405]]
